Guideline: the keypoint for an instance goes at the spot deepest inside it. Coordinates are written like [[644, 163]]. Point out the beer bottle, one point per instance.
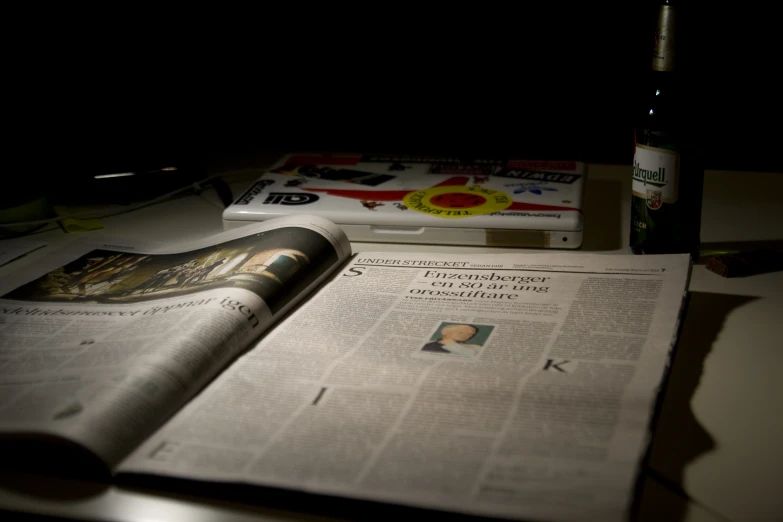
[[667, 172]]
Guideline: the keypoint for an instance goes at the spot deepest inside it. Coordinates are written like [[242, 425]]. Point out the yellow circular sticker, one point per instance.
[[456, 201]]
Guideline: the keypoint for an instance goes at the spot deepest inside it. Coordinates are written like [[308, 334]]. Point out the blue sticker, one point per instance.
[[536, 188]]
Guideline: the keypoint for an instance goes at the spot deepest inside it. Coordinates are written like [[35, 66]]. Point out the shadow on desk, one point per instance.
[[744, 246], [678, 438], [32, 467], [284, 504], [603, 216]]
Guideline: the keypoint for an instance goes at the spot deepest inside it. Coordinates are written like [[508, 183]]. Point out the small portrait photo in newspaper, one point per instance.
[[461, 339]]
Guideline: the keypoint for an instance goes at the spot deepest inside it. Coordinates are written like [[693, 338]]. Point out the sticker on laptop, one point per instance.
[[456, 201]]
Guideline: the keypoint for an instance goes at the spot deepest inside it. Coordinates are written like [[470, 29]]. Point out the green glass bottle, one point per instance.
[[668, 175]]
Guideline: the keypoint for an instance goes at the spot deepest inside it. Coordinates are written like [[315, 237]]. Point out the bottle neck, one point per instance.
[[664, 49]]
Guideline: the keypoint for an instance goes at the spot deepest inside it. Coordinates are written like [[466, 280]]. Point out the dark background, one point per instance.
[[552, 82]]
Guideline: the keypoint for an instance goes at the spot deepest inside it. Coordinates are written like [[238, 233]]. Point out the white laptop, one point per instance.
[[437, 200]]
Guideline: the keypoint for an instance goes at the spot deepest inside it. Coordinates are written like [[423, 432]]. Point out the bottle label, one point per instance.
[[664, 46], [655, 175]]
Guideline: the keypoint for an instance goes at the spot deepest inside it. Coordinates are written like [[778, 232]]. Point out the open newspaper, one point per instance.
[[510, 385], [106, 341]]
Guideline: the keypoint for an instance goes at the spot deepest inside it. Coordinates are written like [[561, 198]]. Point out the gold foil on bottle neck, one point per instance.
[[664, 48]]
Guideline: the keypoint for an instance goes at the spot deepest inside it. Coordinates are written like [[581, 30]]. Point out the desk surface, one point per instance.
[[714, 455]]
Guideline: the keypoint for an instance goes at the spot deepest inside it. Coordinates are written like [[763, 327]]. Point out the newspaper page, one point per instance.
[[11, 249], [510, 385], [106, 341]]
